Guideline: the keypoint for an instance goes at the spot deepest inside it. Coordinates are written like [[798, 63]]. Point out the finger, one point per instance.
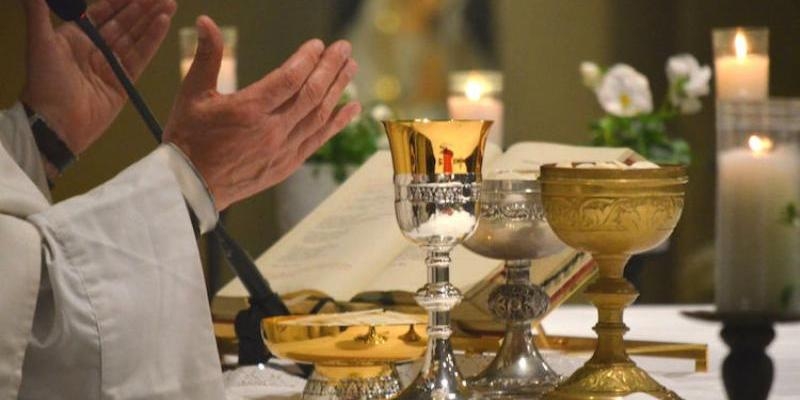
[[141, 52], [313, 91], [101, 11], [161, 7], [38, 20], [202, 75], [283, 83], [115, 28], [334, 125], [320, 115]]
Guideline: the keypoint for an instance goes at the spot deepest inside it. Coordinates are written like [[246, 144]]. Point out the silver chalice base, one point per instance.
[[512, 227]]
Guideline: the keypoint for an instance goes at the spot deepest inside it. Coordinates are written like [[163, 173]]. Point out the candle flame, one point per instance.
[[740, 45], [759, 144], [473, 90]]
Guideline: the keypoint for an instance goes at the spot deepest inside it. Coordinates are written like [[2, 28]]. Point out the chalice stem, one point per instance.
[[611, 294], [439, 377]]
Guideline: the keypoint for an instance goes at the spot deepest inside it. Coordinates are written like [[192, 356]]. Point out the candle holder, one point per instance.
[[512, 227], [747, 370], [758, 206], [437, 173], [741, 63], [612, 214], [477, 95]]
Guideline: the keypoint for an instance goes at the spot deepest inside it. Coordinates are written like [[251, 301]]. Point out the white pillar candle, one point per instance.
[[742, 74], [475, 96], [758, 249]]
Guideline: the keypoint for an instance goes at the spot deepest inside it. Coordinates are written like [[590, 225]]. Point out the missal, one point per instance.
[[351, 243]]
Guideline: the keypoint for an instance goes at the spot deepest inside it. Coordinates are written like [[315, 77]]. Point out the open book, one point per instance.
[[351, 243]]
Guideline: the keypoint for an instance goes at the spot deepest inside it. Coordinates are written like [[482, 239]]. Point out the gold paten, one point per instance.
[[612, 214], [348, 360]]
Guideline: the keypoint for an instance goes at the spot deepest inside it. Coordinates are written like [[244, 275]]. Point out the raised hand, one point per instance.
[[69, 82], [250, 140]]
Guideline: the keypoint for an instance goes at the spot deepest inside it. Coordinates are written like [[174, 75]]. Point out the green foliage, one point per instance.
[[790, 215], [352, 146], [644, 133]]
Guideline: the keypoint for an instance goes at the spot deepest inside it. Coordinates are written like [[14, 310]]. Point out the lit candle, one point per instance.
[[758, 238], [226, 80], [475, 95], [741, 63]]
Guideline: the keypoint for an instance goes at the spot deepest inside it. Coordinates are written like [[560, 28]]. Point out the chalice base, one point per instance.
[[517, 371], [602, 381], [343, 382], [439, 378]]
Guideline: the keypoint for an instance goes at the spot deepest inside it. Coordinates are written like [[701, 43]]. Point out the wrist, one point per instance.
[[56, 154]]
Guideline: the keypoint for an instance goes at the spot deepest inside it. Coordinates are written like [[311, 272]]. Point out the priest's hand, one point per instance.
[[250, 140], [69, 82]]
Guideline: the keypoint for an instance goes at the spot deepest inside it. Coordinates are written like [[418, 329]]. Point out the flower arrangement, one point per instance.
[[356, 142], [631, 121]]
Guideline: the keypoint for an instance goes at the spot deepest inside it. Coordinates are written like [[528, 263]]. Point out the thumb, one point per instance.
[[38, 18], [202, 76]]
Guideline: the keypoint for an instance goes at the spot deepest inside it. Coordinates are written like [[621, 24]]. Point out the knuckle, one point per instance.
[[292, 80]]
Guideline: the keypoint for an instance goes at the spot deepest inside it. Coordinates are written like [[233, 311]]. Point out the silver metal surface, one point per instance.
[[512, 227], [437, 216]]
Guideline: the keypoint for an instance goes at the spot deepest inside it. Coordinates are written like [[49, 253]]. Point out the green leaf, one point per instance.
[[790, 215]]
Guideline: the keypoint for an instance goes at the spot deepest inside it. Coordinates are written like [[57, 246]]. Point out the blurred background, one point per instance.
[[407, 47]]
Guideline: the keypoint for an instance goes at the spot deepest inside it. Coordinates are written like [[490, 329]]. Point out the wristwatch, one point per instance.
[[50, 145]]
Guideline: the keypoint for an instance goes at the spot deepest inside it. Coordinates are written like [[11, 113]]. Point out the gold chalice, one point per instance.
[[612, 214], [353, 359]]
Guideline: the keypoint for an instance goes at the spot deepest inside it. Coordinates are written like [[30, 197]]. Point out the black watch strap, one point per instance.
[[50, 145]]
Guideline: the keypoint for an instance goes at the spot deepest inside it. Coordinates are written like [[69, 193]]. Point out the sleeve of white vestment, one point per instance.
[[122, 313]]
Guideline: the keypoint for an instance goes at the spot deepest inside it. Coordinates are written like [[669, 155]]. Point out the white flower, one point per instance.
[[591, 74], [381, 112], [624, 92], [351, 91], [688, 81]]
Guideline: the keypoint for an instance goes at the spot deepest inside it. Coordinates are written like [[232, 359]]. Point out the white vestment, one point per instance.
[[102, 296]]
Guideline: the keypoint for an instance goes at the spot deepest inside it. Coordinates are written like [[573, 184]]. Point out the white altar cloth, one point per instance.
[[647, 322]]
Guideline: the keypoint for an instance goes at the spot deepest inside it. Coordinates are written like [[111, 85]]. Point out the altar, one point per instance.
[[648, 322]]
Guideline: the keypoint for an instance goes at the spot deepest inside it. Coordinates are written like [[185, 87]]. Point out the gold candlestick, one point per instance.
[[613, 214]]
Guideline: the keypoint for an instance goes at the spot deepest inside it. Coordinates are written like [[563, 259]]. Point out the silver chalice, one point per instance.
[[437, 173], [512, 227]]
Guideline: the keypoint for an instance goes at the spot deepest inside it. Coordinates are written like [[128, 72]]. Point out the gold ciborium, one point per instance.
[[612, 214], [437, 173], [353, 358]]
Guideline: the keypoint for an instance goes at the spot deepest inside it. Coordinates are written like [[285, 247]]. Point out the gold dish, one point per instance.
[[350, 362]]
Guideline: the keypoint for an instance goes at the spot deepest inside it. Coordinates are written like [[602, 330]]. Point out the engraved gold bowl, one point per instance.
[[350, 362], [612, 214]]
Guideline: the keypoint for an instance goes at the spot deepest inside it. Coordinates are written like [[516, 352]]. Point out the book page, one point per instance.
[[408, 271], [341, 245], [532, 155]]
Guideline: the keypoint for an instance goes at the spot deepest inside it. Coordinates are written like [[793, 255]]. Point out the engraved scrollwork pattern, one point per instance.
[[514, 302], [376, 388], [614, 213], [512, 211], [616, 380], [442, 193]]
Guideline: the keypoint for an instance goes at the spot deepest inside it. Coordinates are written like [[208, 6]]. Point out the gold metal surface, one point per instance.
[[335, 345], [424, 147], [612, 214]]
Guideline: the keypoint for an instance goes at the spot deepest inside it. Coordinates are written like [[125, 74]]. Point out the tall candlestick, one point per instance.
[[741, 63], [758, 195], [227, 78], [476, 95]]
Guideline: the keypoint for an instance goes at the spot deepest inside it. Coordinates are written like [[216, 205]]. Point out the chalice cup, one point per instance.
[[512, 227], [612, 214], [437, 173]]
